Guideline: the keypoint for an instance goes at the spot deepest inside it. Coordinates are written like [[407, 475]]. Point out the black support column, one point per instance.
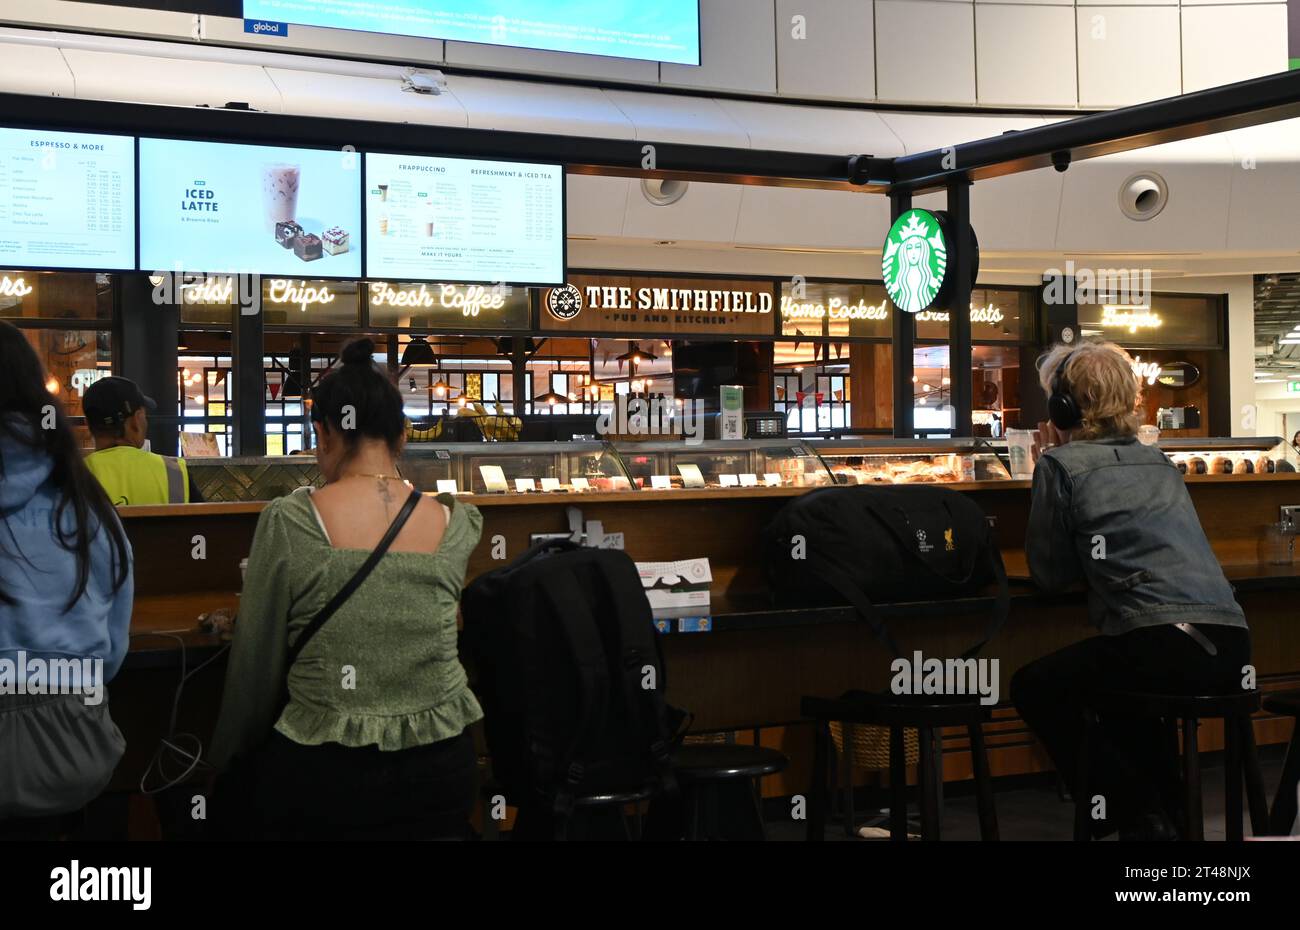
[[249, 393], [904, 339], [149, 325], [959, 348], [519, 374]]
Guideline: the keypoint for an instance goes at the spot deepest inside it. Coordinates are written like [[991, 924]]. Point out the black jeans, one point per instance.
[[1127, 764], [333, 792]]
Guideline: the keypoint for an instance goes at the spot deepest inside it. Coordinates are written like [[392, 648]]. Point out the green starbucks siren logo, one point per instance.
[[915, 260]]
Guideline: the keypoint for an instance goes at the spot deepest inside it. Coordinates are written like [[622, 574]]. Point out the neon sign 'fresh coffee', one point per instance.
[[470, 300]]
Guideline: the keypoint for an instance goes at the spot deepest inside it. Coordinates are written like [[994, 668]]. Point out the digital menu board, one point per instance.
[[455, 219], [250, 209], [663, 30], [68, 201]]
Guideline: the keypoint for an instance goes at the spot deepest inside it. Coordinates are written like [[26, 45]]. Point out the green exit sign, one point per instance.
[[1293, 387]]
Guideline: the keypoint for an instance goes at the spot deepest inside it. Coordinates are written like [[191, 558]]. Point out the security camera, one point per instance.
[[1061, 161]]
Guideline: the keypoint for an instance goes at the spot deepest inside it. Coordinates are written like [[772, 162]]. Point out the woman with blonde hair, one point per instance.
[[1114, 515]]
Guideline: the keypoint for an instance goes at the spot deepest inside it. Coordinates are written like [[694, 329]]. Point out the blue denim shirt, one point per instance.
[[1116, 515]]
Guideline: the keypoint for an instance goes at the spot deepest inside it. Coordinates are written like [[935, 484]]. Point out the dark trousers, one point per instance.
[[333, 792], [1127, 761]]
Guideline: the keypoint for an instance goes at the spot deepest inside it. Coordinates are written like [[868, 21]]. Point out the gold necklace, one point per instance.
[[357, 474]]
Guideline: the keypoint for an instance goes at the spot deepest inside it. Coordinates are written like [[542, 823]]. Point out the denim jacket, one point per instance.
[[1116, 515]]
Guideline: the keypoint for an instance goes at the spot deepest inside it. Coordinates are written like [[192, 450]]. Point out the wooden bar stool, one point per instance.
[[1241, 758], [928, 715], [1282, 817]]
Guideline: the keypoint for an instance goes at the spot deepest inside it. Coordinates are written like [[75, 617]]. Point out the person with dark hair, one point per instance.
[[65, 604], [371, 739], [117, 416]]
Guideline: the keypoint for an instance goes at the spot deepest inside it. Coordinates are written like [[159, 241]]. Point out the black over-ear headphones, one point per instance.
[[1062, 409]]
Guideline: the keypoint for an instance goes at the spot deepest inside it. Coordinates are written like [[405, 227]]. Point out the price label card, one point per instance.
[[524, 485], [749, 481], [494, 478], [661, 482], [772, 480], [581, 484], [447, 486], [691, 476], [729, 481], [550, 484]]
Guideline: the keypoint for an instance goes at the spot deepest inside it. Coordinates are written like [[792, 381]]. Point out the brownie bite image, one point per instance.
[[307, 247], [286, 233], [335, 240]]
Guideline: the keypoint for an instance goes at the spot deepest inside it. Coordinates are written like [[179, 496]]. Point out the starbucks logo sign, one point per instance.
[[564, 303], [915, 260]]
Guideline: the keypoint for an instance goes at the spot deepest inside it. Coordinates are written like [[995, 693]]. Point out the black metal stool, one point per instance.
[[928, 715], [583, 807], [1282, 818], [1240, 763], [702, 769]]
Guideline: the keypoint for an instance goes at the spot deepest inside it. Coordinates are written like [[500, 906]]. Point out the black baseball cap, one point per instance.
[[109, 401]]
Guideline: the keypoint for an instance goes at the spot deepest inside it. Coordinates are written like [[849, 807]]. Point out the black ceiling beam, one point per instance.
[[581, 155], [1219, 109]]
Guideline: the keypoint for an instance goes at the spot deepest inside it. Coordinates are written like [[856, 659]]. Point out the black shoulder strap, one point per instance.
[[355, 581], [847, 588], [1001, 607]]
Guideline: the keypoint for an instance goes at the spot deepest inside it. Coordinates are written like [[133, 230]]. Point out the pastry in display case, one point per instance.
[[515, 467], [911, 461], [1248, 455], [786, 463]]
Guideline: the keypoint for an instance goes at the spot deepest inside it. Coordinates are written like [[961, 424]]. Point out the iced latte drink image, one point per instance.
[[280, 193]]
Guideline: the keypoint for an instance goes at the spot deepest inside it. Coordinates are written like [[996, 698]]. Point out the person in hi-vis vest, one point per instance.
[[117, 415]]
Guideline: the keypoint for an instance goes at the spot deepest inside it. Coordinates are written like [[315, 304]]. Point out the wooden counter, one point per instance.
[[758, 661]]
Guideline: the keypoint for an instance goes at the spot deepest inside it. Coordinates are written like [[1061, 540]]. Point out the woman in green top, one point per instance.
[[373, 742]]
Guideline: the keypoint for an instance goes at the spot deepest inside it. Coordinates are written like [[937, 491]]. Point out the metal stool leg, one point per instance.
[[897, 785], [1082, 802], [1255, 798], [1284, 802], [1192, 781], [817, 794], [1232, 778], [983, 783], [930, 829], [847, 737]]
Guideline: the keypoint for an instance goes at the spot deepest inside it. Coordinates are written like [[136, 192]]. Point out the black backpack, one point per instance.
[[561, 641], [892, 543]]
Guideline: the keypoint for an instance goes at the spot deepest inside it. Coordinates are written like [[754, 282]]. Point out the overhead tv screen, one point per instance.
[[649, 30], [69, 200], [253, 209], [457, 219]]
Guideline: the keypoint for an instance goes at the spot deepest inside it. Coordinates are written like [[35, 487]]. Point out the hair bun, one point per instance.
[[359, 352]]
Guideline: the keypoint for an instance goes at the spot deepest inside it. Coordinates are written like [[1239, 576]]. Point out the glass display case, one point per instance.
[[787, 463], [911, 461], [1246, 455], [515, 467]]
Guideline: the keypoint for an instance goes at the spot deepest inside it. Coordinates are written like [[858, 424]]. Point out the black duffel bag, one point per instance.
[[863, 544]]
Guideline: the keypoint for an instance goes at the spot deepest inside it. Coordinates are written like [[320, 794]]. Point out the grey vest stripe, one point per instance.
[[175, 480]]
